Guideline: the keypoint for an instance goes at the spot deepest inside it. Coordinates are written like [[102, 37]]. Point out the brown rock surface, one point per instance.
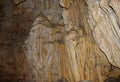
[[59, 40]]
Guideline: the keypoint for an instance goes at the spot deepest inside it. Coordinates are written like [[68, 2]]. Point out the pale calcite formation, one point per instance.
[[86, 59], [46, 52], [69, 52], [104, 21], [41, 51]]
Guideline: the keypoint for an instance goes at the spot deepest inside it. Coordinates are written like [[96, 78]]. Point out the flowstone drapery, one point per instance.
[[65, 48], [86, 59], [104, 21]]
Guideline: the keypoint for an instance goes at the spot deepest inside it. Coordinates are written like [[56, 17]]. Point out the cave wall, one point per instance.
[[86, 59], [104, 21], [15, 24], [47, 40], [82, 56]]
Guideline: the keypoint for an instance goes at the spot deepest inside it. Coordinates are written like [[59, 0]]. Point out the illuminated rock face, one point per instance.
[[81, 19], [104, 21], [59, 40], [46, 50]]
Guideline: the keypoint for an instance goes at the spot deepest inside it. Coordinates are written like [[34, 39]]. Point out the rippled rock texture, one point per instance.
[[86, 59], [104, 18]]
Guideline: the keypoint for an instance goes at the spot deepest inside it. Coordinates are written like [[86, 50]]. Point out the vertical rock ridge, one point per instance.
[[84, 55], [106, 30]]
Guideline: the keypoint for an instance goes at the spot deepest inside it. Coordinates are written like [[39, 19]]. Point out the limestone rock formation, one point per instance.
[[59, 40], [104, 21], [79, 39]]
